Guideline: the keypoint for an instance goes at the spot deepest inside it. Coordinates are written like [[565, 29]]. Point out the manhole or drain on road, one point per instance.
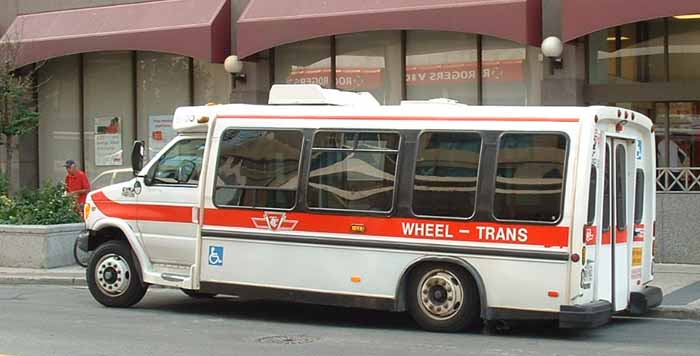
[[287, 339]]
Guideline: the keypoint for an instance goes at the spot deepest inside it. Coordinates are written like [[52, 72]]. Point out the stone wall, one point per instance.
[[35, 246], [678, 228]]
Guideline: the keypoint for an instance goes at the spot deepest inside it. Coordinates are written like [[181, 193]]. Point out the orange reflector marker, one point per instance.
[[356, 279], [203, 120], [553, 294], [357, 228]]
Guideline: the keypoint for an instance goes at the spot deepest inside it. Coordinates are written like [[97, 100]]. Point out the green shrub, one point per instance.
[[44, 206]]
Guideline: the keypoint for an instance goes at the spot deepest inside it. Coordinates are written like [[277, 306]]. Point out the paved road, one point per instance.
[[51, 320]]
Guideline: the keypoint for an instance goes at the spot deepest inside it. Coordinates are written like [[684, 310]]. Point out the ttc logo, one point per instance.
[[216, 256], [274, 221]]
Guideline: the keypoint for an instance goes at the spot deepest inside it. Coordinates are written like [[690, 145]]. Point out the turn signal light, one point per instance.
[[203, 119], [356, 279], [553, 294], [87, 209]]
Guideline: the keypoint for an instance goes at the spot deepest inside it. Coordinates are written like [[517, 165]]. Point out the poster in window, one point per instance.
[[108, 141], [160, 132]]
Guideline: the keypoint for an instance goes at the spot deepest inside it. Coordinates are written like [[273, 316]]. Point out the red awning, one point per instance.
[[194, 28], [580, 18], [265, 24]]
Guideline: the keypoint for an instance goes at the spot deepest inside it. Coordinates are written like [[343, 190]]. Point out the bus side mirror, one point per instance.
[[137, 157]]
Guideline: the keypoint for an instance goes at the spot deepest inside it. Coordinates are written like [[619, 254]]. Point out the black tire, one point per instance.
[[113, 276], [449, 307], [198, 295], [81, 257]]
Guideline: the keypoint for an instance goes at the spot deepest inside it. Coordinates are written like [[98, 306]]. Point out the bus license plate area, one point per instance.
[[587, 276]]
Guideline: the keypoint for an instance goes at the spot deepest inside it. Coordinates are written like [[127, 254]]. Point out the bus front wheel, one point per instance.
[[443, 297], [112, 276]]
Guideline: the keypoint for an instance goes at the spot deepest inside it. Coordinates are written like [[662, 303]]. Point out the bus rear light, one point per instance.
[[583, 255], [553, 294], [575, 257]]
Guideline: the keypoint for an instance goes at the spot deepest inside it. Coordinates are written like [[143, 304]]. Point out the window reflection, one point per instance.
[[530, 177], [258, 168], [353, 171], [446, 173]]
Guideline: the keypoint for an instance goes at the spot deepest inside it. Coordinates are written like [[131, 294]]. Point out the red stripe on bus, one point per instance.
[[149, 212], [409, 228], [620, 237], [394, 118]]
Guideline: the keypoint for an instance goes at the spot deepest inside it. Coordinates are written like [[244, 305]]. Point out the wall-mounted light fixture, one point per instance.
[[687, 17], [552, 48], [234, 66]]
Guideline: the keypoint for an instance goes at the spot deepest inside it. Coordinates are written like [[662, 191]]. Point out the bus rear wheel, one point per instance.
[[443, 297], [112, 276]]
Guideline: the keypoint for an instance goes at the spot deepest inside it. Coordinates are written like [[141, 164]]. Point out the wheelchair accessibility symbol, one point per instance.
[[216, 256]]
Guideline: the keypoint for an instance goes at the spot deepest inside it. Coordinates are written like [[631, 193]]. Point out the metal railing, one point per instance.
[[681, 180]]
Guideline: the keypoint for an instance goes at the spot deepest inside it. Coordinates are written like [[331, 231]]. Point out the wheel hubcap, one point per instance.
[[440, 294], [112, 275]]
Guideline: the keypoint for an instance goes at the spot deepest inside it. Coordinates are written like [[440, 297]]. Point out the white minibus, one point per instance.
[[457, 214]]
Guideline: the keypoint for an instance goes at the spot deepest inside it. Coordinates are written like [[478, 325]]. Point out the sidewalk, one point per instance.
[[65, 276], [681, 287], [680, 284]]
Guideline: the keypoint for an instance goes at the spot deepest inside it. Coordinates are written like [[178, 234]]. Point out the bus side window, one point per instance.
[[592, 194], [639, 197], [258, 168], [353, 171], [621, 187], [445, 178], [530, 177]]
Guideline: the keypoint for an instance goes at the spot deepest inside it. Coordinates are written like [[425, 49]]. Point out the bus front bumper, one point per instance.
[[589, 315]]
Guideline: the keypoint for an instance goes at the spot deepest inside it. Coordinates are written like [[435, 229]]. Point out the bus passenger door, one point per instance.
[[617, 224]]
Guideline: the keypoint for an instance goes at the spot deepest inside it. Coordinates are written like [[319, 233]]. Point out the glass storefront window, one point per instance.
[[684, 49], [441, 65], [370, 61], [627, 54], [504, 72], [306, 62], [684, 140]]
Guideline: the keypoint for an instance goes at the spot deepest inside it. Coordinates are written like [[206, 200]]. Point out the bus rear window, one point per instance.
[[530, 177], [639, 197], [446, 173], [592, 195]]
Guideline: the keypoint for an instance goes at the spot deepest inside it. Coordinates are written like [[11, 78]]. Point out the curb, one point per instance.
[[674, 312], [53, 281]]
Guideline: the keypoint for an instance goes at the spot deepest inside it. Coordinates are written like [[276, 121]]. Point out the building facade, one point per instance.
[[112, 71]]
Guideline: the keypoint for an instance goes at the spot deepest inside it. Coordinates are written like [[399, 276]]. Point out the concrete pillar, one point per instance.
[[563, 86]]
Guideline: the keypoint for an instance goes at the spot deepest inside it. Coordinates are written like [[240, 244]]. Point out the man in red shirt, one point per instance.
[[77, 183]]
